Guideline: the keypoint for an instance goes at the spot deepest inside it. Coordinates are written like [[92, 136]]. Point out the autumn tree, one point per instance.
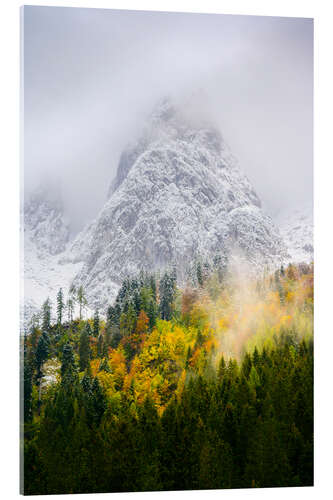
[[189, 297], [291, 272], [214, 287], [133, 343], [162, 408], [142, 323], [128, 321]]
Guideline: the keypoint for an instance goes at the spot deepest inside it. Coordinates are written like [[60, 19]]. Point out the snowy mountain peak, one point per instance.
[[44, 220], [178, 195], [46, 237], [164, 111]]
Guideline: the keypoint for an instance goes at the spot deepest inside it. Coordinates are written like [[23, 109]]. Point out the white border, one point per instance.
[[9, 245]]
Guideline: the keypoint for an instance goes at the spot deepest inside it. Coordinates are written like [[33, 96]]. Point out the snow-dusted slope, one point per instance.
[[296, 228], [43, 276], [44, 221], [46, 236], [178, 195]]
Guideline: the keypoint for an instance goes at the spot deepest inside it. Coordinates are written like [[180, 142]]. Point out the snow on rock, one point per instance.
[[296, 228], [45, 222], [178, 195], [46, 235], [43, 276]]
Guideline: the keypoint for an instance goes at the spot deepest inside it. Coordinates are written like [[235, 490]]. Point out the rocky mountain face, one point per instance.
[[178, 196], [45, 239], [44, 221], [296, 228]]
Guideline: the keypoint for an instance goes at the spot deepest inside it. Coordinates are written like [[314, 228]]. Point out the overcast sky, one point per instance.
[[91, 76]]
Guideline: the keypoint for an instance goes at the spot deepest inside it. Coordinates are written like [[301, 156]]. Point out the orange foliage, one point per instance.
[[94, 365], [189, 297], [142, 323], [236, 320]]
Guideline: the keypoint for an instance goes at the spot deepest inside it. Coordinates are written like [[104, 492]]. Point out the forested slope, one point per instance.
[[205, 387]]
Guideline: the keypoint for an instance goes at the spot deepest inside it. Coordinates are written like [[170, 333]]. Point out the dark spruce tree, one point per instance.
[[27, 383], [60, 306], [42, 352], [81, 299], [96, 324], [167, 295], [200, 274], [84, 348], [68, 367], [46, 316], [100, 347]]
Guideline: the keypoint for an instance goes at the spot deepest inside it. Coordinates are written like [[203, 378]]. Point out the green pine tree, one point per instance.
[[100, 349], [96, 324], [84, 348], [60, 306], [46, 316], [82, 300], [68, 367]]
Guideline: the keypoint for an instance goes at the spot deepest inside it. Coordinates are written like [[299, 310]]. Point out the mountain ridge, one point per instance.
[[178, 196]]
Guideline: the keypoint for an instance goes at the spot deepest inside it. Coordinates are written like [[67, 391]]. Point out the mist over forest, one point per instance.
[[167, 323]]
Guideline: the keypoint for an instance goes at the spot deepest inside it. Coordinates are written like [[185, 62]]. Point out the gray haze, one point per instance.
[[91, 76]]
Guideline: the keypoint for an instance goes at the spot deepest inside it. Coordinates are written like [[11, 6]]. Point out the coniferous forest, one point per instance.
[[208, 385]]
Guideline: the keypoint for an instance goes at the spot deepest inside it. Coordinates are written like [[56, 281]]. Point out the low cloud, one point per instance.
[[91, 76]]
